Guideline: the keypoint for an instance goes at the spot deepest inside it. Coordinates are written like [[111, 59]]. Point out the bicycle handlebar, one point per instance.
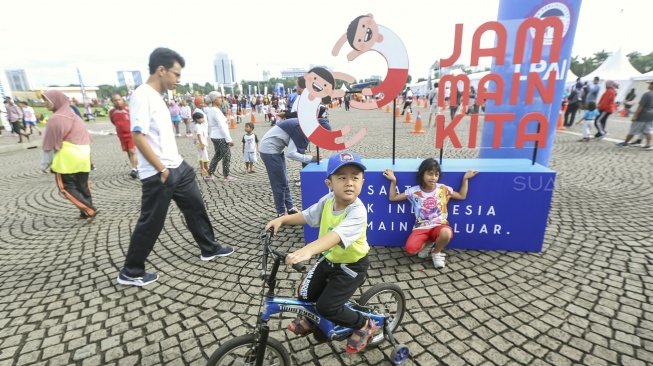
[[267, 248], [297, 266]]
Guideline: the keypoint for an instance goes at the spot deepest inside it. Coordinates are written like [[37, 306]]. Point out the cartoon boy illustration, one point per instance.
[[364, 34]]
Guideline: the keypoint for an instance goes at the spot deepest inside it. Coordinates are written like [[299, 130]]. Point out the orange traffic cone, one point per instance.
[[387, 108], [397, 112], [409, 117], [418, 124], [252, 116], [560, 124], [232, 123]]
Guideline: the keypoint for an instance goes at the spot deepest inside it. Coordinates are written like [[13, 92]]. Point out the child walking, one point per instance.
[[201, 138], [29, 118], [342, 243], [429, 200], [588, 119], [250, 146]]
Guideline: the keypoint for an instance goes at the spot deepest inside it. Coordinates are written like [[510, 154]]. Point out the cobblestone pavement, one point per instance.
[[586, 299]]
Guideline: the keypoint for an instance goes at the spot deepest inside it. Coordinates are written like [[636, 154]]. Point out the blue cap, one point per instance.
[[338, 160]]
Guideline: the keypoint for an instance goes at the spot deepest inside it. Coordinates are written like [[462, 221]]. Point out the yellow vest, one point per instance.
[[72, 159], [338, 254]]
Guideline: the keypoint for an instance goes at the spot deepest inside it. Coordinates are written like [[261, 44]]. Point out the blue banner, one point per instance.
[[529, 96]]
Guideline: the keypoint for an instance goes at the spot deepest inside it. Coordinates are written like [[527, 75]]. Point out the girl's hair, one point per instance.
[[197, 115], [427, 165]]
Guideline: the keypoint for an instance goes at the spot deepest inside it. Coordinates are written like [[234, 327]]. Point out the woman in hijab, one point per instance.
[[67, 152]]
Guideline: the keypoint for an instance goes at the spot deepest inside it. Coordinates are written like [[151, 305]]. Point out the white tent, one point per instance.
[[616, 67], [645, 77], [640, 84]]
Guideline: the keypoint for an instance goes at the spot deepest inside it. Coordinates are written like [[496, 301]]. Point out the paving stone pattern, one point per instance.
[[585, 300]]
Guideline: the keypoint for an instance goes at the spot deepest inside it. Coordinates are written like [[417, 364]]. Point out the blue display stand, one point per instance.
[[506, 207]]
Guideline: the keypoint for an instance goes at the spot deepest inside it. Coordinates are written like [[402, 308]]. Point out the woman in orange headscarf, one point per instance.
[[67, 152]]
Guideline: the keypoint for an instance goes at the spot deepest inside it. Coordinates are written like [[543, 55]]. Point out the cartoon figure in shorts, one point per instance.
[[364, 34], [319, 84]]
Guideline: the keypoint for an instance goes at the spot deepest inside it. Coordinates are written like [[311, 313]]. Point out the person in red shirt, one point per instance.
[[119, 116], [606, 107]]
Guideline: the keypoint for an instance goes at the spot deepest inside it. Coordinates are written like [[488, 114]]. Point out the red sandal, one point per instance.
[[299, 327], [364, 335]]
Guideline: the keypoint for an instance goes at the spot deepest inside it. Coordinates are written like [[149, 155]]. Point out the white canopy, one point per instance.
[[616, 67], [647, 76]]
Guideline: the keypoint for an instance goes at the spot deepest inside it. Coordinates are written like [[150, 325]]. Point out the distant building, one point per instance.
[[18, 80], [292, 73], [224, 70], [5, 88], [130, 79]]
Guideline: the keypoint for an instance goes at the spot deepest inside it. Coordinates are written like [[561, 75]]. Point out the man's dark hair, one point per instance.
[[164, 57]]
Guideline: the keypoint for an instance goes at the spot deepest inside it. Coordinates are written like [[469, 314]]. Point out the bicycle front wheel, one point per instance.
[[240, 351], [387, 299]]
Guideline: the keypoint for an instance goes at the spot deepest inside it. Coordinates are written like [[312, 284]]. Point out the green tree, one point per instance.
[[643, 63], [106, 91], [582, 67], [600, 56], [208, 87]]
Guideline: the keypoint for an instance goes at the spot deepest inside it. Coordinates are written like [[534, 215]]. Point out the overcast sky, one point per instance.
[[51, 39]]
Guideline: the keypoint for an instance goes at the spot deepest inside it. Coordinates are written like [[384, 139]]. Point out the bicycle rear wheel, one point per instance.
[[387, 299], [240, 351]]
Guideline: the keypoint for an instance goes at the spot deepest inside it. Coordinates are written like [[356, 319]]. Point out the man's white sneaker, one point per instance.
[[438, 260], [426, 250]]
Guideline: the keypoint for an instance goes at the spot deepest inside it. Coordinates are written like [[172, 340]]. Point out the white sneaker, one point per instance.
[[438, 260], [426, 250]]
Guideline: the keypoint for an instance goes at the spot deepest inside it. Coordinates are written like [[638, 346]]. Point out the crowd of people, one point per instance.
[[595, 110], [147, 126]]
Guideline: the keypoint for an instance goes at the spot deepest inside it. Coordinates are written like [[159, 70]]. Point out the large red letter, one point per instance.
[[483, 94], [442, 132], [539, 136], [453, 82], [498, 52], [456, 48], [473, 131], [498, 119], [535, 82], [539, 26]]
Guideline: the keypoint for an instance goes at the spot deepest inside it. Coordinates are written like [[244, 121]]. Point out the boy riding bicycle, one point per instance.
[[342, 243]]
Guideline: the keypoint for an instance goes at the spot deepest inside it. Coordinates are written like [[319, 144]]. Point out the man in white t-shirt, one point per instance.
[[164, 174]]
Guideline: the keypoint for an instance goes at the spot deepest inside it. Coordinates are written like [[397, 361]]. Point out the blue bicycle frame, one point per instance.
[[275, 305]]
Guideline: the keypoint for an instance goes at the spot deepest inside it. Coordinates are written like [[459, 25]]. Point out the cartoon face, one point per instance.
[[317, 86], [429, 204], [367, 34]]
